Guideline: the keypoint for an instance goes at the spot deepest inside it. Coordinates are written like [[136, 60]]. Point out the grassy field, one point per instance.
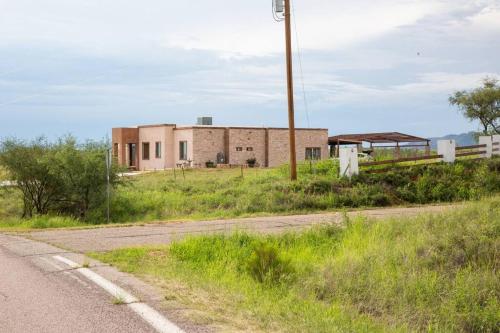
[[215, 193], [435, 274], [223, 193]]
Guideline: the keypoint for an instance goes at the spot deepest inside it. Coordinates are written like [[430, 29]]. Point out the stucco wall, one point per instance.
[[169, 149], [162, 134], [279, 151], [247, 138], [207, 143], [122, 137]]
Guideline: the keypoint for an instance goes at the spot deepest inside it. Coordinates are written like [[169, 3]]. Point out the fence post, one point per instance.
[[486, 140], [447, 148], [496, 145], [349, 164]]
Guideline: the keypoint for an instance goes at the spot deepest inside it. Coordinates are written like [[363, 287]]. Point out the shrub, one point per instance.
[[318, 186], [29, 166], [267, 266], [252, 162], [60, 178]]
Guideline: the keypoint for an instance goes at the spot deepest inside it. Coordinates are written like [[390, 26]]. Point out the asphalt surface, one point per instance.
[[105, 239], [39, 293], [36, 300]]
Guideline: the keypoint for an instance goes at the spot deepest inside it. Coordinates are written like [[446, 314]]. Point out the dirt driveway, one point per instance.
[[105, 239]]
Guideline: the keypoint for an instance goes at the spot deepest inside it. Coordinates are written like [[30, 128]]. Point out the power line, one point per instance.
[[306, 104]]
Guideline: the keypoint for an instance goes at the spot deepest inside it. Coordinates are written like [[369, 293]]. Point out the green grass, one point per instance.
[[382, 154], [40, 222], [221, 193], [206, 194], [433, 273], [216, 193]]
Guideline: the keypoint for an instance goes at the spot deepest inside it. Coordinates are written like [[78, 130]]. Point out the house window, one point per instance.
[[158, 149], [131, 154], [145, 150], [249, 148], [239, 148], [115, 150], [183, 150], [313, 153]]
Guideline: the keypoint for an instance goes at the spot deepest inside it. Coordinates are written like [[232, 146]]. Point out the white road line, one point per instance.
[[110, 287], [150, 315], [154, 318], [60, 268]]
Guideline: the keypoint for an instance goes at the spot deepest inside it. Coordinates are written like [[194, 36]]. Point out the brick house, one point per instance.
[[157, 147]]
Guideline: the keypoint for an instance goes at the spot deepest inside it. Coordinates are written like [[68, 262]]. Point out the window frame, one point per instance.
[[183, 150], [158, 151], [249, 148], [146, 153], [239, 148], [314, 155]]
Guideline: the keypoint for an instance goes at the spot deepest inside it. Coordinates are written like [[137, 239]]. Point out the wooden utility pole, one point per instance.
[[289, 73]]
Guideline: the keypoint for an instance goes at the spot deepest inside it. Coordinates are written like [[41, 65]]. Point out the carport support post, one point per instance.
[[447, 148], [488, 141], [496, 145], [428, 149], [349, 164]]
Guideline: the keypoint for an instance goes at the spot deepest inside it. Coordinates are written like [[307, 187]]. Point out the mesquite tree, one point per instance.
[[481, 104], [62, 177]]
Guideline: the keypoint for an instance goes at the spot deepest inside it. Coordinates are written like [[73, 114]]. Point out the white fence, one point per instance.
[[448, 151]]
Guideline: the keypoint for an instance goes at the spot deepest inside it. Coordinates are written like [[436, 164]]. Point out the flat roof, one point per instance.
[[157, 125], [246, 127], [386, 137], [181, 127]]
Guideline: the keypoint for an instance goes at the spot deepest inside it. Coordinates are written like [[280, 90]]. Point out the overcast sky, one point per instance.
[[82, 67]]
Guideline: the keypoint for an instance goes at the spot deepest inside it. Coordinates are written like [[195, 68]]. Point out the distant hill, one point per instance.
[[464, 139]]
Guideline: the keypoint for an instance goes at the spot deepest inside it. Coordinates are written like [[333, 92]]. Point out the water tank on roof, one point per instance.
[[206, 121]]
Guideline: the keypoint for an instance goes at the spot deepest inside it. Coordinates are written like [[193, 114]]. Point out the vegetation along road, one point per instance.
[[431, 273]]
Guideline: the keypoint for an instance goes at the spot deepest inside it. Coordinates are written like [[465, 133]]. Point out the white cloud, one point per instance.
[[487, 18], [110, 57], [108, 26], [336, 91]]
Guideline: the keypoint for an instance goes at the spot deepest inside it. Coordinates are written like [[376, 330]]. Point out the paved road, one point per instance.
[[105, 239], [41, 290], [39, 295]]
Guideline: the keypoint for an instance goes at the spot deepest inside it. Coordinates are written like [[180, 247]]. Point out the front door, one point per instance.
[[132, 154]]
